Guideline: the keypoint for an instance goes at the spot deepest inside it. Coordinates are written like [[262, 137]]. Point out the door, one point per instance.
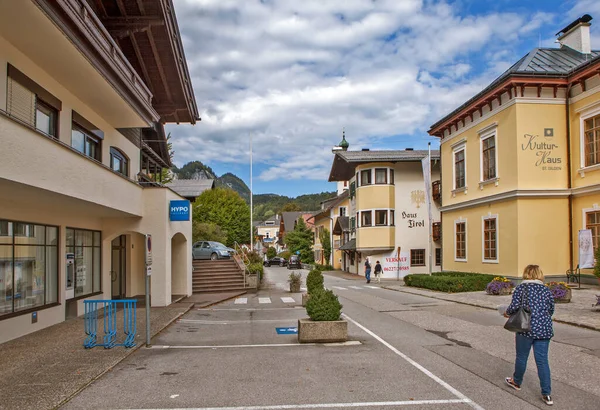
[[196, 250], [118, 267], [205, 251]]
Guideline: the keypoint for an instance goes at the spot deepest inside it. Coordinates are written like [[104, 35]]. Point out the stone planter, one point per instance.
[[566, 299], [294, 287], [252, 281], [305, 297], [503, 292], [322, 332]]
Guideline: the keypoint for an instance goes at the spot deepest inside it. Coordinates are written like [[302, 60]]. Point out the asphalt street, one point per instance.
[[404, 351]]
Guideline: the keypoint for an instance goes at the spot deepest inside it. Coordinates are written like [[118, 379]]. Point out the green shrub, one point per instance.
[[323, 305], [451, 283], [271, 252], [285, 254], [322, 268], [314, 281], [596, 271], [256, 268]]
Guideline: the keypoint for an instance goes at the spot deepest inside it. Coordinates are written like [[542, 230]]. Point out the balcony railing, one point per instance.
[[436, 189], [437, 231]]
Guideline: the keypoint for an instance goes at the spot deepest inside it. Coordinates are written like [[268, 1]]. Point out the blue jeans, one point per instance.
[[368, 274], [540, 352]]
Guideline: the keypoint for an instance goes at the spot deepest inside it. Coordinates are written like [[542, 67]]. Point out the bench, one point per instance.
[[574, 275]]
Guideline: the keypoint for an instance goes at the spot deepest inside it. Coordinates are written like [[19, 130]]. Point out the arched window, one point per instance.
[[119, 162]]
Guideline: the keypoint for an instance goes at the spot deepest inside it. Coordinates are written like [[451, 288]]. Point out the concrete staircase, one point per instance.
[[216, 276]]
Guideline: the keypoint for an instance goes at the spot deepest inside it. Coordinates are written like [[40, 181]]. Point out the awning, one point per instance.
[[349, 246]]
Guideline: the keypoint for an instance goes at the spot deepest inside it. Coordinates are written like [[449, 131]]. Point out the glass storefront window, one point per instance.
[[28, 266], [85, 245]]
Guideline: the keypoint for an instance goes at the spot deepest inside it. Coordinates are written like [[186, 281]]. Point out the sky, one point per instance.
[[290, 75]]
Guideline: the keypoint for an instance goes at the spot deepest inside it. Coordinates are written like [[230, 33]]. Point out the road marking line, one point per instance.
[[227, 322], [432, 376], [264, 300], [338, 287], [241, 301], [250, 309], [288, 300], [373, 287], [355, 287], [328, 405], [349, 343]]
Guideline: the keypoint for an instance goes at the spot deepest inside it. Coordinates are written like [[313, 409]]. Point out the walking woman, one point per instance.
[[540, 301], [378, 271]]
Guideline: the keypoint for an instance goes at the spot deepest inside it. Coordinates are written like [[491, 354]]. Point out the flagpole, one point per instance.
[[429, 213], [251, 205]]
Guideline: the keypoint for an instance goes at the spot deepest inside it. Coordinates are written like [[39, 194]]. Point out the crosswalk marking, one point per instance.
[[241, 301], [264, 300], [288, 300], [339, 287], [373, 287], [355, 287]]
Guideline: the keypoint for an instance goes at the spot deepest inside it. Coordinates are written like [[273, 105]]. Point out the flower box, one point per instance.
[[561, 292], [499, 286]]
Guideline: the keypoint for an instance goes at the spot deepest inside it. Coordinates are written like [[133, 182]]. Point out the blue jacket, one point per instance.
[[541, 302]]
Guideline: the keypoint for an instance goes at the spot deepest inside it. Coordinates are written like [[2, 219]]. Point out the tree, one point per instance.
[[291, 207], [271, 252], [206, 231], [226, 209], [301, 239], [326, 244]]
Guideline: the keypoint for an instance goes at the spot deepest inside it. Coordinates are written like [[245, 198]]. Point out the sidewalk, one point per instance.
[[43, 369]]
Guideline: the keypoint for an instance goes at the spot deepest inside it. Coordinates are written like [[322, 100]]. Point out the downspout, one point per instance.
[[569, 177]]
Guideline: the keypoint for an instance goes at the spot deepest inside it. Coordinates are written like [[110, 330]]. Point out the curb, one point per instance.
[[581, 325], [112, 366]]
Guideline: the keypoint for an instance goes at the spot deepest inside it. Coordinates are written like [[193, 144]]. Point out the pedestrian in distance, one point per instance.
[[368, 269], [378, 271], [533, 294]]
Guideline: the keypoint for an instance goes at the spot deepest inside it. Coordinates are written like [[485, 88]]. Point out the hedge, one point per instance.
[[451, 282]]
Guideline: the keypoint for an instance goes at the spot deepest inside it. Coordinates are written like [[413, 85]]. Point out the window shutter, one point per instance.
[[21, 102]]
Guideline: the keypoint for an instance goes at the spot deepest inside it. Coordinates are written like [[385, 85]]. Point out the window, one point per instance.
[[86, 137], [391, 176], [460, 241], [85, 245], [488, 157], [31, 104], [267, 234], [119, 161], [353, 223], [366, 218], [381, 218], [592, 140], [270, 223], [490, 251], [28, 266], [381, 175], [392, 221], [459, 169], [342, 211], [417, 257], [352, 189], [365, 177], [592, 222], [438, 256]]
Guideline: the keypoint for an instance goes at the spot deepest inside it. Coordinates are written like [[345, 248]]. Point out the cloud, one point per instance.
[[292, 74]]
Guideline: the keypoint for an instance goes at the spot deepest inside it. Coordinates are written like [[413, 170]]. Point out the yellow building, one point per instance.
[[390, 196], [83, 101], [521, 163], [332, 211]]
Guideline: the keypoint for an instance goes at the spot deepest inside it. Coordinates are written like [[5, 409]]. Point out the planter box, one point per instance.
[[252, 281], [322, 332], [305, 297], [566, 299], [295, 288], [502, 292]]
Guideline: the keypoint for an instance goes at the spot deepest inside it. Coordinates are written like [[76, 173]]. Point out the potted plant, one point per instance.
[[561, 292], [295, 280], [314, 282], [499, 286], [324, 324]]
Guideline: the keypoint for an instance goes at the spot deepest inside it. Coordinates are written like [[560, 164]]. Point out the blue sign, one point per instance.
[[287, 330], [179, 210]]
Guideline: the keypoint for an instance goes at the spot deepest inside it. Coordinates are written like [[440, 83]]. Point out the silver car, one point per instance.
[[211, 250]]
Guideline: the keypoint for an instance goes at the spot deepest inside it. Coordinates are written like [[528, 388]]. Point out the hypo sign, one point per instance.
[[179, 211]]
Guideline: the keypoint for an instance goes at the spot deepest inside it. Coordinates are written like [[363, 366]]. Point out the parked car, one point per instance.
[[294, 262], [276, 260], [211, 250]]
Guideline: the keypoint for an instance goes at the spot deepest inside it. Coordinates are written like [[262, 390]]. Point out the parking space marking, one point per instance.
[[264, 300], [288, 300], [241, 301], [330, 405], [432, 376]]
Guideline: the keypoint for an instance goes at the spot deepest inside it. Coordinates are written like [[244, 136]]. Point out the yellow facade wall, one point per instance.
[[376, 237], [541, 146], [375, 197], [591, 175]]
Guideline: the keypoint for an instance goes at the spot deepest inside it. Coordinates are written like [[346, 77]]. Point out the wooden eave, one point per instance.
[[81, 26], [148, 33]]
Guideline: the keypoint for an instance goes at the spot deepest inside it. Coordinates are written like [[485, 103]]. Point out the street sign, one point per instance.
[[148, 249], [179, 210], [149, 270], [287, 330]]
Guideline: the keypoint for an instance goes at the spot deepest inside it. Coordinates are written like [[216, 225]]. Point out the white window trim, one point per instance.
[[483, 219], [591, 112], [345, 211], [389, 170], [490, 133], [456, 222], [455, 150], [372, 210]]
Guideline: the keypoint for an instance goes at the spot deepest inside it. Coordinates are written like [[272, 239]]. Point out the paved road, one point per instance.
[[406, 351]]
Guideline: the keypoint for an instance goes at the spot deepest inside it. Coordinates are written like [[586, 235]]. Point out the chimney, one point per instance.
[[365, 149], [576, 35], [409, 149]]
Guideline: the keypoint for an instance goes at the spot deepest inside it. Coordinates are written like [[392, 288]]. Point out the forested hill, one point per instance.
[[265, 205]]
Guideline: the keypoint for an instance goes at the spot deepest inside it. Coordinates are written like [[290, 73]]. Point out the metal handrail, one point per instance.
[[241, 258]]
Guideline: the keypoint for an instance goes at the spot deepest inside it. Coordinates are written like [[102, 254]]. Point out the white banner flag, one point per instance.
[[586, 249]]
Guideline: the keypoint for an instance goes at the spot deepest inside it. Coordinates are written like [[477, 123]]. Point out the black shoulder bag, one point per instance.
[[520, 321]]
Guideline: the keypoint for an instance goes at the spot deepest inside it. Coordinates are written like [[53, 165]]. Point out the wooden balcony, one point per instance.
[[437, 231], [436, 189]]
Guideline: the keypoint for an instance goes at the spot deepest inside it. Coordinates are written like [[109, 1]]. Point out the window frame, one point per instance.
[[384, 212], [496, 239], [585, 115], [455, 151], [456, 223], [438, 256], [362, 221], [87, 136], [414, 264], [366, 172], [385, 174], [67, 246], [54, 117], [392, 181], [482, 138], [117, 153], [595, 238], [344, 212]]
